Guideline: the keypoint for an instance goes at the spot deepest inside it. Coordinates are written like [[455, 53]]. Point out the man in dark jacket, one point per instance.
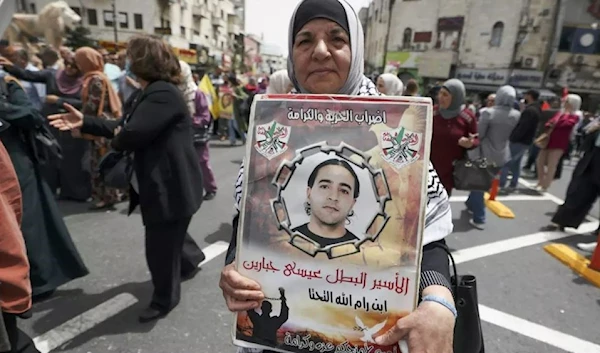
[[521, 139]]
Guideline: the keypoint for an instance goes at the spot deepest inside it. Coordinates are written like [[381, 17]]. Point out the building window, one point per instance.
[[76, 9], [137, 21], [92, 17], [222, 14], [407, 38], [123, 20], [182, 31], [497, 34], [32, 8], [108, 18]]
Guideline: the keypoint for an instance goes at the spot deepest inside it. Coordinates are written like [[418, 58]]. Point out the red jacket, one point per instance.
[[563, 126], [15, 287], [444, 143]]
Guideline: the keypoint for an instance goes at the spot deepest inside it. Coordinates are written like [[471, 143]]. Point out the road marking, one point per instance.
[[83, 322], [548, 195], [64, 333], [541, 333], [461, 198], [502, 246], [214, 250]]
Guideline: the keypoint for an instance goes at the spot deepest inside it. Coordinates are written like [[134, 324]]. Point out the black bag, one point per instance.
[[43, 142], [468, 335], [115, 169], [474, 174], [201, 135]]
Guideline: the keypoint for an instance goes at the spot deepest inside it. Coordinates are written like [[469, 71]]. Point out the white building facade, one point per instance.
[[186, 24]]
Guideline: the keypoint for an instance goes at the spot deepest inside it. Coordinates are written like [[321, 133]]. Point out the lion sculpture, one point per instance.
[[51, 23]]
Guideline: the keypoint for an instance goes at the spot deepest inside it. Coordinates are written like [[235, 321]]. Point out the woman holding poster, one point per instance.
[[326, 49]]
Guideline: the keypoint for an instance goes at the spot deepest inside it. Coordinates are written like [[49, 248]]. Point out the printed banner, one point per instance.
[[331, 220]]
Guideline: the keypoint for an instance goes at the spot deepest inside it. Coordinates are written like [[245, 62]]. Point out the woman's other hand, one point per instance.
[[73, 119], [430, 328], [241, 293], [465, 142]]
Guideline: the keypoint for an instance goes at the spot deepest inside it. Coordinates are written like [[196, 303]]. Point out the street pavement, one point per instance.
[[529, 301]]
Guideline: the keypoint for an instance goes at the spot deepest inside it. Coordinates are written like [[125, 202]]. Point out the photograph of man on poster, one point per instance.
[[332, 190]]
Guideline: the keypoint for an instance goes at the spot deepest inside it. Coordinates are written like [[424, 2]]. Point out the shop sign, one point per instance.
[[526, 78], [483, 77]]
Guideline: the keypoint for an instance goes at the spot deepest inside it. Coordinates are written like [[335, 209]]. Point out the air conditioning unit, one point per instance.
[[529, 62]]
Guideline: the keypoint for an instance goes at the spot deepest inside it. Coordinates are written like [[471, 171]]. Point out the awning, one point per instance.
[[544, 93], [481, 88]]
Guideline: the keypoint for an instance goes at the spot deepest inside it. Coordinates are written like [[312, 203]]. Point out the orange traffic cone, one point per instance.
[[595, 262], [494, 189]]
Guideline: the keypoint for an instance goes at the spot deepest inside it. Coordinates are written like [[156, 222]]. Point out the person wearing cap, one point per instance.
[[521, 139], [326, 47]]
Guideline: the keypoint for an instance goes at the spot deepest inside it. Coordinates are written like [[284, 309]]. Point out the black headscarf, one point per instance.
[[312, 9]]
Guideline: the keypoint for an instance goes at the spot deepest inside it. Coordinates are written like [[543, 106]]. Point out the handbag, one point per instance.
[[468, 335], [474, 174], [116, 169], [45, 145], [201, 135]]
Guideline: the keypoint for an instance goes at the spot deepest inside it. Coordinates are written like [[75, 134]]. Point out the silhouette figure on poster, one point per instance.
[[331, 194], [264, 326]]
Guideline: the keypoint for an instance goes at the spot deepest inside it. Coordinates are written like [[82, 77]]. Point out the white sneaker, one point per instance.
[[480, 226], [587, 247]]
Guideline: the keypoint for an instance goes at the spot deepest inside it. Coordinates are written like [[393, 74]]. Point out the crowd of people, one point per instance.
[[144, 105]]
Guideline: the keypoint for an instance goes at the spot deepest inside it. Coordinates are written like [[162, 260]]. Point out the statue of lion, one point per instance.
[[51, 23]]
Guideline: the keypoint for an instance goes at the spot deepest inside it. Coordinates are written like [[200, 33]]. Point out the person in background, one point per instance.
[[53, 257], [111, 70], [127, 83], [494, 128], [454, 131], [471, 106], [279, 83], [552, 109], [412, 88], [202, 120], [562, 125], [390, 85], [237, 124], [489, 103], [15, 296], [62, 86], [263, 84], [167, 180], [35, 91], [584, 188], [99, 99], [188, 87], [521, 140]]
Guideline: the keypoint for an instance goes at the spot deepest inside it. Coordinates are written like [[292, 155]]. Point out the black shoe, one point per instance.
[[151, 314], [209, 196]]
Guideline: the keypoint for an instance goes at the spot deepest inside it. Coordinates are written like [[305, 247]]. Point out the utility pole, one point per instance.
[[387, 33], [115, 23]]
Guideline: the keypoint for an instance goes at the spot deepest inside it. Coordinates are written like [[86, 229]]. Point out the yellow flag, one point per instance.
[[210, 93]]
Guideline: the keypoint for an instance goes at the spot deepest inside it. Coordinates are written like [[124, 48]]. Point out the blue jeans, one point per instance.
[[517, 150], [476, 204], [233, 128]]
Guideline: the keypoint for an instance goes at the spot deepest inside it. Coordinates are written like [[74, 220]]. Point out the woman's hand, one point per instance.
[[73, 119], [430, 328], [51, 99], [5, 62], [241, 293], [465, 142]]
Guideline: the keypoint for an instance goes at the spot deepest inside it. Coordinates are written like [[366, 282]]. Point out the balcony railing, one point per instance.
[[200, 10], [218, 22]]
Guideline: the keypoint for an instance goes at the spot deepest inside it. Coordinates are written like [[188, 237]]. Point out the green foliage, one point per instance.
[[79, 37]]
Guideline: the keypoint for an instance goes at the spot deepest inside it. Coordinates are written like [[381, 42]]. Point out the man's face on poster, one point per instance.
[[331, 197]]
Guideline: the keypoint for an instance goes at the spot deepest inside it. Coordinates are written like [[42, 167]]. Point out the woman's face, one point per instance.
[[322, 57], [444, 98], [381, 85], [70, 67]]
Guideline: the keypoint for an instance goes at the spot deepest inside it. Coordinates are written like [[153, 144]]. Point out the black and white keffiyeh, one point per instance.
[[438, 216]]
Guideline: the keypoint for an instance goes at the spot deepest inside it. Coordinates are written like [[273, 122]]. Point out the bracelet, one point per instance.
[[442, 301]]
